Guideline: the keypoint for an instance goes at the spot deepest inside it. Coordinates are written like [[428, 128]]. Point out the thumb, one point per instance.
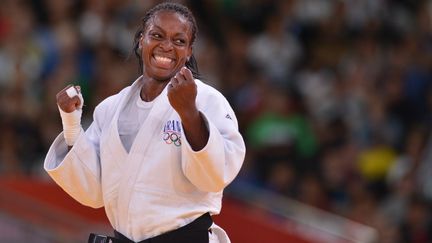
[[80, 102]]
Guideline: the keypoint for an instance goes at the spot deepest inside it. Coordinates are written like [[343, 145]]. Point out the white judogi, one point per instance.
[[161, 184]]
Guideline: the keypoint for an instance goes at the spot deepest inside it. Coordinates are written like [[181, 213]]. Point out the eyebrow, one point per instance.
[[176, 34]]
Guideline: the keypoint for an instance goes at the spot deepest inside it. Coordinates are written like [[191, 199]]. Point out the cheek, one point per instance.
[[146, 46], [184, 56], [183, 60], [143, 53]]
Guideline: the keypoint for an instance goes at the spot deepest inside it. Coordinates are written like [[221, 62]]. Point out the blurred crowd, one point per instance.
[[333, 97]]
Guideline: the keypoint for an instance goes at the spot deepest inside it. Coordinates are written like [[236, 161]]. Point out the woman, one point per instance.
[[159, 153]]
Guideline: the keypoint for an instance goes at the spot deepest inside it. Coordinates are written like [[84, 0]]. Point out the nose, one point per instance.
[[166, 45]]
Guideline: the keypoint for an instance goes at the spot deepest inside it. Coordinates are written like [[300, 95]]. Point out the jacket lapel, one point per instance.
[[136, 158]]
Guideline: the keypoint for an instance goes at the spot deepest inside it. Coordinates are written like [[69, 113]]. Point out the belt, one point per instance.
[[196, 232]]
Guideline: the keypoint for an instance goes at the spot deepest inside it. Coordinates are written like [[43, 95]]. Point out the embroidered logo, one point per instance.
[[172, 133], [228, 117]]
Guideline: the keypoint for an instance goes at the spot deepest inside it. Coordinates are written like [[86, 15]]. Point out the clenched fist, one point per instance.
[[182, 92], [70, 103], [70, 99]]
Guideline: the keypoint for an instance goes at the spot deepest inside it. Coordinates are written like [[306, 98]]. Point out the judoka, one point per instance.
[[159, 153]]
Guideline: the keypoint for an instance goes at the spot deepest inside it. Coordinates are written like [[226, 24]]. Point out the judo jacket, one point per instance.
[[161, 183]]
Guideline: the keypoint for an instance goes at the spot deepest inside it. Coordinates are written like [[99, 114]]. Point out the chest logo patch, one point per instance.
[[172, 132]]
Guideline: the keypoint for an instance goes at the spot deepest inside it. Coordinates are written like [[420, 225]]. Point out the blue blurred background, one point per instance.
[[333, 97]]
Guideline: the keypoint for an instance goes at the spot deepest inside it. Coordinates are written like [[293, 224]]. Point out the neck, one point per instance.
[[151, 88]]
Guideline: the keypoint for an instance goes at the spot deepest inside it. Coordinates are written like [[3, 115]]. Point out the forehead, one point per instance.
[[170, 21]]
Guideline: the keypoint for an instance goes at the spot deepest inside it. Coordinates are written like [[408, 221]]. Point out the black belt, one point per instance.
[[196, 232]]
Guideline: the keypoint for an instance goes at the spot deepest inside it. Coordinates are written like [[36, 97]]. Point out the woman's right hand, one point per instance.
[[69, 99], [70, 103]]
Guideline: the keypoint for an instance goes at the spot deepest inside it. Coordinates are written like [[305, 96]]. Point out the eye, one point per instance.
[[180, 41], [155, 35]]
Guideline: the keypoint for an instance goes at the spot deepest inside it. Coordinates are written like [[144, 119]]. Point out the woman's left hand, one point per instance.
[[182, 92]]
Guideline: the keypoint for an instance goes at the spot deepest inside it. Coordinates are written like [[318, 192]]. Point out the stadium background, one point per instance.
[[334, 99]]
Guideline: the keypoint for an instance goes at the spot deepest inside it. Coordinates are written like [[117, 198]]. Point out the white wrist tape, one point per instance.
[[72, 121]]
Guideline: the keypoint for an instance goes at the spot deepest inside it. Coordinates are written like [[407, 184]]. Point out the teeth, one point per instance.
[[163, 59]]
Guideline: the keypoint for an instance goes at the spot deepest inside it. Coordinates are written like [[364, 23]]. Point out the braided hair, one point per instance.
[[191, 63]]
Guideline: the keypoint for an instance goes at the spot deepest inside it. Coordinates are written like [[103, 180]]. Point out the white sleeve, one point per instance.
[[78, 171], [218, 163]]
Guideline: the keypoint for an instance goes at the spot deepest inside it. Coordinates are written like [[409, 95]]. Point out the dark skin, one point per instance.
[[165, 48], [66, 103]]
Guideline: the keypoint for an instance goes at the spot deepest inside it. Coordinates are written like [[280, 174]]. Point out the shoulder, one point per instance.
[[206, 91], [214, 105], [209, 97]]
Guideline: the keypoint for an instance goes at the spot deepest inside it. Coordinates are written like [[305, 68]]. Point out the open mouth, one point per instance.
[[163, 62]]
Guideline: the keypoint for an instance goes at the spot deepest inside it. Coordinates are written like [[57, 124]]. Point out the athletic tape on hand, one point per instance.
[[71, 92], [72, 121], [71, 125]]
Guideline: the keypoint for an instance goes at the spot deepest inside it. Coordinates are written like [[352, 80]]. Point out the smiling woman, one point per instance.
[[184, 37], [159, 153], [165, 44]]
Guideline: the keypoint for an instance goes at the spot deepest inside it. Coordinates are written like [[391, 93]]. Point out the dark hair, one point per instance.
[[174, 7]]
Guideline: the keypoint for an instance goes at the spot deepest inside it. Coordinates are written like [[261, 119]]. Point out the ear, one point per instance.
[[140, 41]]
